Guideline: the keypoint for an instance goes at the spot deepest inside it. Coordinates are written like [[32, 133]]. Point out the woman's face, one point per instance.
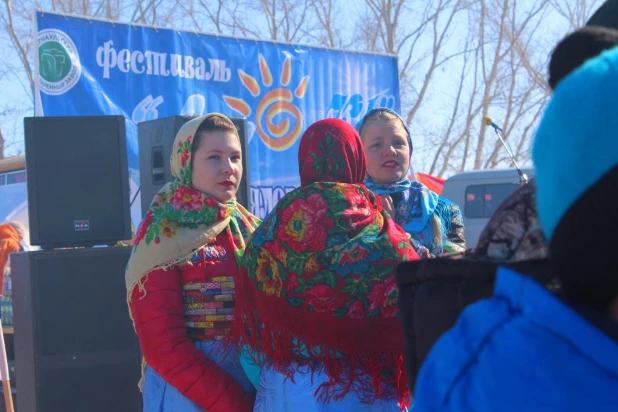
[[217, 165], [386, 149]]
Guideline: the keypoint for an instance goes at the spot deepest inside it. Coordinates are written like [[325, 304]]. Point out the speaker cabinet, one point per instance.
[[78, 180], [75, 347], [156, 140]]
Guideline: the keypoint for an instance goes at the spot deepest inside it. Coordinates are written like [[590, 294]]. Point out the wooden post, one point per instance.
[[4, 374]]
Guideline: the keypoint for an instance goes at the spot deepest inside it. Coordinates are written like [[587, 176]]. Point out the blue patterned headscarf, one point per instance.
[[417, 203]]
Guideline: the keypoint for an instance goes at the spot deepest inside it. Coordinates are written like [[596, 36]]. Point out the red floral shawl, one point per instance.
[[318, 277]]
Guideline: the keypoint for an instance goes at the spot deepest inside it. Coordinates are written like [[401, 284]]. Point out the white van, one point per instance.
[[479, 194]]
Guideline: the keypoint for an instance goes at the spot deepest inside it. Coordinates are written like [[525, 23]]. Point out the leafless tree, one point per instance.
[[472, 58], [502, 70], [387, 15], [327, 31], [498, 32], [211, 16], [278, 20], [17, 21], [465, 111], [576, 12], [499, 75], [439, 35], [286, 20], [1, 144], [381, 29], [522, 96], [446, 145]]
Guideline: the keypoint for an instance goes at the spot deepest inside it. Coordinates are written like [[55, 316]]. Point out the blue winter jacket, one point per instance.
[[521, 350]]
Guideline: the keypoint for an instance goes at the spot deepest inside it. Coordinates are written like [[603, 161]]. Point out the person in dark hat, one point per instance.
[[577, 48], [434, 293], [606, 15], [524, 348]]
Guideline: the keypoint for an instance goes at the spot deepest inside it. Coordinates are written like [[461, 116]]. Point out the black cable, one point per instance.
[[134, 197]]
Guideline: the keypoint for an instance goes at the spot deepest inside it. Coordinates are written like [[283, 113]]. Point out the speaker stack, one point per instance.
[[75, 347]]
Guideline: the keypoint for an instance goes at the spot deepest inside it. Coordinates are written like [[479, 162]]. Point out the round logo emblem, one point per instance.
[[59, 66]]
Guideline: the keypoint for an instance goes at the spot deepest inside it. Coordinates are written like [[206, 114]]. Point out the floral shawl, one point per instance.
[[318, 284], [182, 220]]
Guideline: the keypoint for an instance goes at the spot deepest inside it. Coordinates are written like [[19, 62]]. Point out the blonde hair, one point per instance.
[[436, 226], [378, 115]]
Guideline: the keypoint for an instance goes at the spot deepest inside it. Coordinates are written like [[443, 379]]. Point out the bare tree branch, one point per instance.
[[21, 46], [575, 12], [438, 42], [454, 116], [327, 31], [459, 60]]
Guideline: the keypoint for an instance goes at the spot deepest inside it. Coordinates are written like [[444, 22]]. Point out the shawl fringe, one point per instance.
[[377, 375]]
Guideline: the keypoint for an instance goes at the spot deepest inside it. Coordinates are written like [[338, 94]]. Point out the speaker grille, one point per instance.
[[75, 346], [78, 188]]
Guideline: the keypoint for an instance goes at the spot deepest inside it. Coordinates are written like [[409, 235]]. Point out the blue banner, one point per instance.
[[91, 67]]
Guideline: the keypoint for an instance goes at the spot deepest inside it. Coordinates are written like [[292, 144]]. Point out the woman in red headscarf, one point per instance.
[[316, 299]]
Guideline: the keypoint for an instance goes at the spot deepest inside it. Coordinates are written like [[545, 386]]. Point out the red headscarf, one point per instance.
[[331, 151], [318, 276]]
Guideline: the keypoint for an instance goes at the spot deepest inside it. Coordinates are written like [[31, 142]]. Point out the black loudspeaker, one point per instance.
[[75, 347], [156, 138], [78, 180]]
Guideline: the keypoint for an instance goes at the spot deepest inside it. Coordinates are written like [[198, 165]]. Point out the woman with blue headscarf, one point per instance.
[[434, 223]]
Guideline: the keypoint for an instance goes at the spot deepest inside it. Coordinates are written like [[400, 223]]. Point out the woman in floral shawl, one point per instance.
[[434, 223], [182, 272], [317, 301]]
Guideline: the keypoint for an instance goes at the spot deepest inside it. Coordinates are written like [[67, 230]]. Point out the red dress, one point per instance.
[[188, 304]]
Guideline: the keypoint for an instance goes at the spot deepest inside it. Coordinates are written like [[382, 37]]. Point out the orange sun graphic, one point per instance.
[[282, 134]]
